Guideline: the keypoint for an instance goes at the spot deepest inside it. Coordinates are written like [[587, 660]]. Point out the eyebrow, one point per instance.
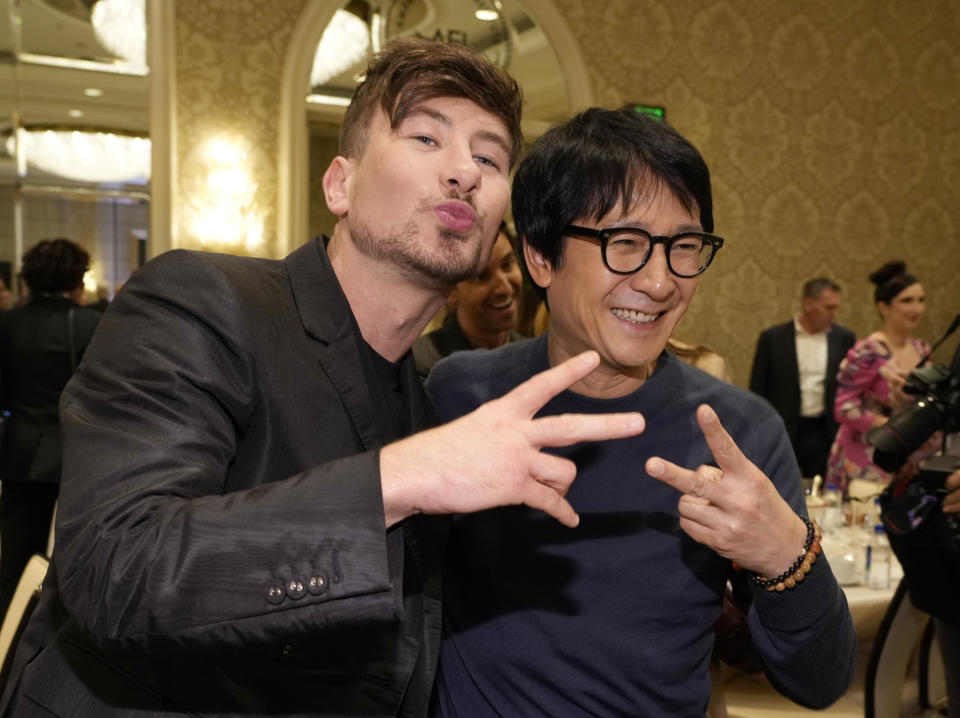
[[684, 228], [487, 135]]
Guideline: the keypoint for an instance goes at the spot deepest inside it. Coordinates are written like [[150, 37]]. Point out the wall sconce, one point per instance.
[[222, 199]]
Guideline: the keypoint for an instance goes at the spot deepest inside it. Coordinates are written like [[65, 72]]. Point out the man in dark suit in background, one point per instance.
[[241, 526], [795, 369]]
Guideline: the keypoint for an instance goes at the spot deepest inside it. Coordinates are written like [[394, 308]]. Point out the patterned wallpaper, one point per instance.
[[230, 56], [832, 129]]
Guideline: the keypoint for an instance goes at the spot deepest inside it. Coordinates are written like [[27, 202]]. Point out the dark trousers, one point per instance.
[[949, 639], [812, 446], [26, 508]]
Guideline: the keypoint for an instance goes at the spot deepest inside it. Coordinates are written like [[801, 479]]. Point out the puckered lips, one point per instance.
[[455, 215]]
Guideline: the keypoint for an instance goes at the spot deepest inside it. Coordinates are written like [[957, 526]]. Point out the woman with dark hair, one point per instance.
[[41, 342], [870, 380]]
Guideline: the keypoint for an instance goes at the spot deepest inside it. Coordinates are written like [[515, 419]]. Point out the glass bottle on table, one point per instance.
[[878, 559], [832, 507]]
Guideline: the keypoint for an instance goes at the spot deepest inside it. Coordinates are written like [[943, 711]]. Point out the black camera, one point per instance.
[[938, 408]]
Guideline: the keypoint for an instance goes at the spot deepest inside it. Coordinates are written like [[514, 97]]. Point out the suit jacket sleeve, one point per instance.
[[760, 371], [183, 518]]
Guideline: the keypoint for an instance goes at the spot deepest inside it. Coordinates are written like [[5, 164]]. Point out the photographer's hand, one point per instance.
[[951, 502]]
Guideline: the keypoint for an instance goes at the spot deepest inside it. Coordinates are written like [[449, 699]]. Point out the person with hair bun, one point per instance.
[[871, 378]]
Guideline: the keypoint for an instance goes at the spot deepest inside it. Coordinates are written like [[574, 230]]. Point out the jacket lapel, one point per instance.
[[326, 316]]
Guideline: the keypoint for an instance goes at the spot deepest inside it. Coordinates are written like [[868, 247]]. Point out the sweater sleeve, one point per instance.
[[805, 636]]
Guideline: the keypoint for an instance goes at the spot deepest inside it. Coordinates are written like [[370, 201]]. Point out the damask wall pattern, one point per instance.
[[832, 130], [230, 56]]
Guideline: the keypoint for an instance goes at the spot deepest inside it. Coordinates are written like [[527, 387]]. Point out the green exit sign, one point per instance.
[[652, 110]]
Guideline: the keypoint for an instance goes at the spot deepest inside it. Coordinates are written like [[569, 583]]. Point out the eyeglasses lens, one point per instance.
[[688, 253]]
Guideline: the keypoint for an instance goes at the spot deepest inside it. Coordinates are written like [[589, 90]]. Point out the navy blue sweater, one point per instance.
[[615, 617]]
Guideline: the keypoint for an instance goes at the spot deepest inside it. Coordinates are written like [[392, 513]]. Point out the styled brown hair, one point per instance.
[[410, 71]]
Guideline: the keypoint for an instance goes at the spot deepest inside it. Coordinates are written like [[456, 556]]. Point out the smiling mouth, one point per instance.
[[635, 317], [506, 304]]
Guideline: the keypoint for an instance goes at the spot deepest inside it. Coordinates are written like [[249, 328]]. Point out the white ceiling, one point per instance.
[[46, 95]]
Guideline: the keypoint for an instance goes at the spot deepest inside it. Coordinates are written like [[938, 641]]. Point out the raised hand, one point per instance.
[[734, 509], [951, 502], [491, 456]]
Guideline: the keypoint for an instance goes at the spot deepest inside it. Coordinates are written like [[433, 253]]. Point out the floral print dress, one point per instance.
[[863, 391]]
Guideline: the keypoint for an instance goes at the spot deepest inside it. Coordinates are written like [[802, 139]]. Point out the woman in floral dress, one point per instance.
[[871, 378]]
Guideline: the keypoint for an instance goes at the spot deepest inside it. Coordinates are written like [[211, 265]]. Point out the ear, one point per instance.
[[336, 185], [540, 270]]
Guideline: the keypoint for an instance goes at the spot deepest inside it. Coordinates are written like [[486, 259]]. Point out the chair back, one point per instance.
[[898, 636], [25, 598]]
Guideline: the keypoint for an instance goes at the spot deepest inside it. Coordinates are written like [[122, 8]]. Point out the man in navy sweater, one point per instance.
[[615, 618]]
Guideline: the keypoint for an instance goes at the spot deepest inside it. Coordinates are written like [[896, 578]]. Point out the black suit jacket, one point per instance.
[[36, 361], [776, 375], [220, 542]]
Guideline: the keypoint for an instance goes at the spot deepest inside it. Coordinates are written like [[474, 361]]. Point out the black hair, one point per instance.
[[891, 279], [54, 265], [600, 158]]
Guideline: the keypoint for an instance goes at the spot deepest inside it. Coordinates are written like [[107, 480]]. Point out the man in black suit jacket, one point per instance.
[[242, 529], [795, 369]]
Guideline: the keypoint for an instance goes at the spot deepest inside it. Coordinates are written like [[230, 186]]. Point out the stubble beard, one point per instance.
[[437, 268]]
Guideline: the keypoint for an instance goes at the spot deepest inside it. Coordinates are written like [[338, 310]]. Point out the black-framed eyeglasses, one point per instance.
[[626, 250]]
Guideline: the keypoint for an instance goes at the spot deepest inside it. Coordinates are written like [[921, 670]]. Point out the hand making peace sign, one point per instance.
[[734, 509]]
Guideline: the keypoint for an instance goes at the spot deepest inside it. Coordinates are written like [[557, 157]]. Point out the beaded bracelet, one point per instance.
[[800, 568]]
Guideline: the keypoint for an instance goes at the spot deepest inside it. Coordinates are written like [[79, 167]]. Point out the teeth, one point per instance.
[[635, 317]]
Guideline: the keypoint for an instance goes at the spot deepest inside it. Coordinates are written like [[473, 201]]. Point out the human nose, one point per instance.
[[462, 172], [654, 279], [502, 283]]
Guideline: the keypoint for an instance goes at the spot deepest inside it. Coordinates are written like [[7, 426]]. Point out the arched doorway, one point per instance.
[[555, 83]]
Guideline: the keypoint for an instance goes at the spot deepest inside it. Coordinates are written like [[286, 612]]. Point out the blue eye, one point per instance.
[[486, 161]]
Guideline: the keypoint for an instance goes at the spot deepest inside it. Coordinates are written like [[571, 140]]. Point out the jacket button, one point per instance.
[[288, 652], [317, 585], [275, 594], [296, 589]]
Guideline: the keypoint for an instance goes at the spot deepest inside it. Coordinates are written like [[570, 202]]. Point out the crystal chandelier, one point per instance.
[[121, 26], [86, 155], [345, 42]]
